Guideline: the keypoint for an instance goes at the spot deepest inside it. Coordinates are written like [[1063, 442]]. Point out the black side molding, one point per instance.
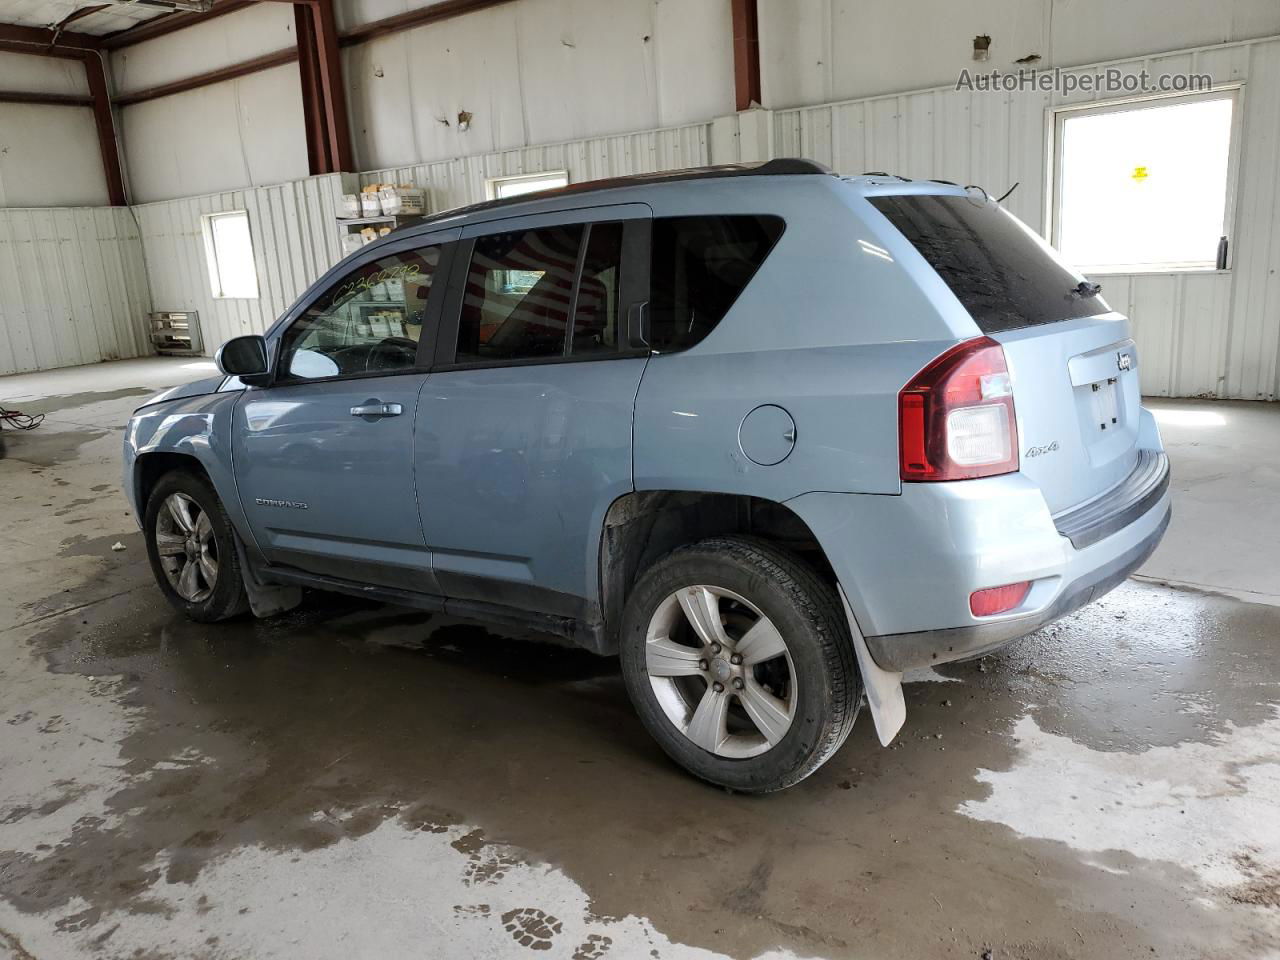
[[1119, 506]]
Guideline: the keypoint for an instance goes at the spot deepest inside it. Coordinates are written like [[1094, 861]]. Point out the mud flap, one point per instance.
[[265, 600], [883, 689]]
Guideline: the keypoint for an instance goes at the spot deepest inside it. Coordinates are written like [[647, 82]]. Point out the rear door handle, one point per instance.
[[373, 409]]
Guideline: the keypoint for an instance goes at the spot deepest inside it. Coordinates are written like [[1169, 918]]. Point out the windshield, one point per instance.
[[1002, 273]]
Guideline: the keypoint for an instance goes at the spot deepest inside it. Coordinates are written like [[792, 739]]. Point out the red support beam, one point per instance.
[[96, 74], [46, 99], [312, 99], [444, 10], [244, 68], [31, 50], [161, 26], [333, 91], [746, 53], [41, 37]]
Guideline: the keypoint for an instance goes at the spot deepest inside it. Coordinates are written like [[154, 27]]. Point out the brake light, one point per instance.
[[956, 418], [993, 600]]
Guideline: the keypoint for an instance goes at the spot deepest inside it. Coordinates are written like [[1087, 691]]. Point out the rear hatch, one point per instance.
[[1072, 363]]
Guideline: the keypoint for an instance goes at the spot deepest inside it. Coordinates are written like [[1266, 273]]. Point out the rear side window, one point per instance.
[[519, 290], [700, 265], [994, 265]]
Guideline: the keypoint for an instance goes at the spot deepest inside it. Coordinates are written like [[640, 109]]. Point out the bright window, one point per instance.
[[1144, 187], [229, 251], [500, 187]]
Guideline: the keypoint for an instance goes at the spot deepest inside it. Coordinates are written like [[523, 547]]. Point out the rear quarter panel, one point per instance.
[[829, 329]]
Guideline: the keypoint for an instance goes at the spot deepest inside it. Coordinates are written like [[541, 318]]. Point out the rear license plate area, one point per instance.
[[1105, 405]]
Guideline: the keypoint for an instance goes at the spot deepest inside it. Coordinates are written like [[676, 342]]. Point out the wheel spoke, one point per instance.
[[766, 711], [204, 529], [208, 569], [189, 581], [762, 642], [708, 727], [169, 544], [666, 658], [702, 607], [180, 509]]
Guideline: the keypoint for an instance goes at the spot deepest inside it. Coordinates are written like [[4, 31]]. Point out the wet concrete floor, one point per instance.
[[355, 780]]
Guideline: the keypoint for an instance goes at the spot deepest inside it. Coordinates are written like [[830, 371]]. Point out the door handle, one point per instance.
[[374, 409]]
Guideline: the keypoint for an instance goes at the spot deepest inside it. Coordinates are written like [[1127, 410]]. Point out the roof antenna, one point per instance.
[[1009, 191]]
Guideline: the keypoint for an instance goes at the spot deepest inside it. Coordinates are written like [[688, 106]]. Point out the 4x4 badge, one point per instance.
[[1038, 451], [1124, 361]]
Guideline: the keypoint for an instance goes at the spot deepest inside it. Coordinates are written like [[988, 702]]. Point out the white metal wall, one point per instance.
[[1212, 334], [1206, 334], [295, 239], [814, 51], [48, 154], [454, 183], [73, 287]]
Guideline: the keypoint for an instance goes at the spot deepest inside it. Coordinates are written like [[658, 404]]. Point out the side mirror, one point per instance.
[[246, 358]]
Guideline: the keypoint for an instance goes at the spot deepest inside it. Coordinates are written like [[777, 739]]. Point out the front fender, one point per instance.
[[195, 427]]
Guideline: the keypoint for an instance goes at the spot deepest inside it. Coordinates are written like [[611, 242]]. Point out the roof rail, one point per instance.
[[780, 166]]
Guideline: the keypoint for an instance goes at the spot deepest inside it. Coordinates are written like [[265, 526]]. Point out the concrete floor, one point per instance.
[[363, 781]]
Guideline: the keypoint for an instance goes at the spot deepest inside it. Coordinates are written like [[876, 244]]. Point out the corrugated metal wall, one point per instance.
[[1212, 334], [454, 183], [295, 239], [74, 287], [1202, 334]]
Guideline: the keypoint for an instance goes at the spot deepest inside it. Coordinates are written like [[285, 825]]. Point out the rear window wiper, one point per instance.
[[1084, 290]]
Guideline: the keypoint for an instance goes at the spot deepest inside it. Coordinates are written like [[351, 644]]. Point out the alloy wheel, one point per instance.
[[721, 671], [187, 547]]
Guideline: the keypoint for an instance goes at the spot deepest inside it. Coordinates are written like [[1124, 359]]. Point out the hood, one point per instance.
[[197, 388]]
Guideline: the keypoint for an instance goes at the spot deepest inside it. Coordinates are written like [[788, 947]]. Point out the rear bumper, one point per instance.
[[908, 563], [898, 652]]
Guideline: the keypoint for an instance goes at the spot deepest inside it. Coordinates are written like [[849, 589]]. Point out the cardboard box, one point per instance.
[[403, 201], [370, 205], [349, 207]]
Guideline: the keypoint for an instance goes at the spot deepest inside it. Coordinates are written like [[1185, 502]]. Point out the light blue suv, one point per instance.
[[772, 435]]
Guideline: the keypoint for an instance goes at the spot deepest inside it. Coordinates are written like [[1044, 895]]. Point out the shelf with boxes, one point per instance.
[[378, 209]]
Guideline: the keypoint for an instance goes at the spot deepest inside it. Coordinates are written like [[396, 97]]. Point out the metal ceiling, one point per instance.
[[98, 19]]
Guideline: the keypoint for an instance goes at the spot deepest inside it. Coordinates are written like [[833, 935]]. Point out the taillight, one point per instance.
[[993, 600], [956, 418]]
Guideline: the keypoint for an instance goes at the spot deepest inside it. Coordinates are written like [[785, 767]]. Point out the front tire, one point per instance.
[[192, 549], [737, 656]]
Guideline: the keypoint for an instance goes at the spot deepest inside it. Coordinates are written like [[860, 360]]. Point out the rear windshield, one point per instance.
[[996, 268]]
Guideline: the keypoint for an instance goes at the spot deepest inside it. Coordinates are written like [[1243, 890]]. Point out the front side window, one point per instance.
[[699, 267], [369, 321]]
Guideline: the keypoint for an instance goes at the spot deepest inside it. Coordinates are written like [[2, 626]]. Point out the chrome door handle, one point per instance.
[[374, 409]]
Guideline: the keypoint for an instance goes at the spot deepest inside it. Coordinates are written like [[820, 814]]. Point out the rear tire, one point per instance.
[[192, 549], [764, 697]]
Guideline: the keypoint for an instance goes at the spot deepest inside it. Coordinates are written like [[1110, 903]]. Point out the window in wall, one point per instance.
[[229, 252], [498, 188], [699, 267], [506, 320], [1144, 186], [369, 321]]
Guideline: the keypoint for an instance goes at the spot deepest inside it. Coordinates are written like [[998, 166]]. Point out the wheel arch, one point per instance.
[[641, 526], [149, 467]]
